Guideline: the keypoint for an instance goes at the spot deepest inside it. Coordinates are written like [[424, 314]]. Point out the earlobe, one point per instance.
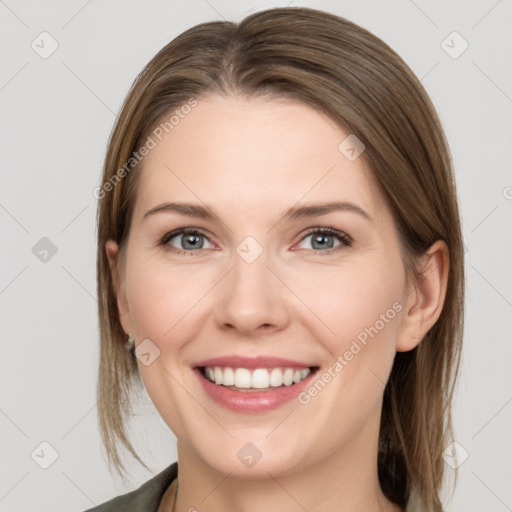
[[425, 301]]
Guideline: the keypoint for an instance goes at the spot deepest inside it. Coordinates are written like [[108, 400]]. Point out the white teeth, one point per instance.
[[259, 378], [242, 378], [228, 378], [276, 377], [288, 377]]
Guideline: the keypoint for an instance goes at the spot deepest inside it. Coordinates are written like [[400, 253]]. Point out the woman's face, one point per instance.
[[261, 290]]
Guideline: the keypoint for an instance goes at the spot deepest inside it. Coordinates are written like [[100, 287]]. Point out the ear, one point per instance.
[[112, 250], [425, 298]]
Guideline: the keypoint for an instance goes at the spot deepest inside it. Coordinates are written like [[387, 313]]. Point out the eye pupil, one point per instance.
[[196, 243], [322, 238]]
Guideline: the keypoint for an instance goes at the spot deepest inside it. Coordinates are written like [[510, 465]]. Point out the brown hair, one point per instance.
[[351, 75]]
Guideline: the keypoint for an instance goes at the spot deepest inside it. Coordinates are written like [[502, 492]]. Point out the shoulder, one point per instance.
[[144, 499]]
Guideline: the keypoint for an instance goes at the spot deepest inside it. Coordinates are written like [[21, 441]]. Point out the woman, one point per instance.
[[279, 242]]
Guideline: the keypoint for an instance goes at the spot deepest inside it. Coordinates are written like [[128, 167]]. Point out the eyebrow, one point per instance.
[[294, 213]]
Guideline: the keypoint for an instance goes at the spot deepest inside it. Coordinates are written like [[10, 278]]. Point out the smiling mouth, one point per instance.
[[255, 379]]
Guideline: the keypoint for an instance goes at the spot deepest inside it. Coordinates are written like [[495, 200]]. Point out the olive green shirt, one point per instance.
[[146, 498]]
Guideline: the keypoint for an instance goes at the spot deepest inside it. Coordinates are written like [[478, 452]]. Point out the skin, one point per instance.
[[249, 161]]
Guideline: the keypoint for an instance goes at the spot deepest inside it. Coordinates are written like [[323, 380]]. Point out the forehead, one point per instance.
[[254, 155]]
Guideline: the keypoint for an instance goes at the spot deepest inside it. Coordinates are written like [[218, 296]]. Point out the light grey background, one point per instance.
[[57, 114]]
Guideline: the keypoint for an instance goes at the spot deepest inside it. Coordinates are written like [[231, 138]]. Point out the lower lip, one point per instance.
[[252, 401]]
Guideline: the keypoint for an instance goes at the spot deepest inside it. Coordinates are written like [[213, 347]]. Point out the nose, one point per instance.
[[251, 300]]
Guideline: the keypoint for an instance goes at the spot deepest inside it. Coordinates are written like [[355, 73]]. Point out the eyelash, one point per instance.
[[343, 238]]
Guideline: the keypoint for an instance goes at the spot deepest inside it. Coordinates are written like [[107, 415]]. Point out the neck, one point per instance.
[[345, 480]]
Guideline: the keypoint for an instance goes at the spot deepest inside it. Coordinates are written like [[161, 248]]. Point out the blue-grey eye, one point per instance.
[[324, 239], [191, 240]]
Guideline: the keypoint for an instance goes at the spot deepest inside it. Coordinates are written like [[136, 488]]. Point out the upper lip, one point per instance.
[[252, 362]]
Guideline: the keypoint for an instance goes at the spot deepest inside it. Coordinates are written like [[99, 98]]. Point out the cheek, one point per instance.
[[163, 298], [349, 300], [361, 307]]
